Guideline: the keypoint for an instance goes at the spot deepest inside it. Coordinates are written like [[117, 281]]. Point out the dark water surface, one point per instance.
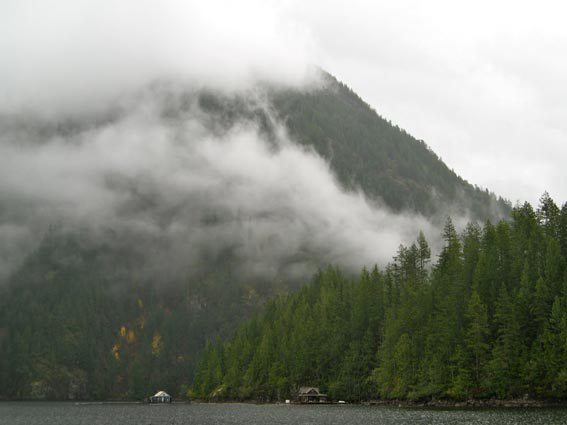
[[32, 413]]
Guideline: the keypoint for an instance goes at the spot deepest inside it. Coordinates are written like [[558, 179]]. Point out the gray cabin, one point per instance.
[[161, 397], [311, 395]]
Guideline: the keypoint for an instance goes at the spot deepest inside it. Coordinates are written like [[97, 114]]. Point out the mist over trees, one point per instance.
[[174, 214], [488, 319], [205, 170], [367, 151]]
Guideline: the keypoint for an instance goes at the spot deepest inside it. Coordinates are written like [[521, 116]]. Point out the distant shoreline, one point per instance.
[[437, 403], [471, 403]]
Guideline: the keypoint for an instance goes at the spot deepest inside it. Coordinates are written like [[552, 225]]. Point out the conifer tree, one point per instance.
[[508, 352], [476, 338]]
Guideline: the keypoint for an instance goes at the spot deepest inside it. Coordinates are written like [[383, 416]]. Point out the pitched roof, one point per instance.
[[161, 394], [309, 390]]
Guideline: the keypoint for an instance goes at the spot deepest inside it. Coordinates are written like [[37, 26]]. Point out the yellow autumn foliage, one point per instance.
[[131, 336], [116, 351], [123, 331], [157, 344]]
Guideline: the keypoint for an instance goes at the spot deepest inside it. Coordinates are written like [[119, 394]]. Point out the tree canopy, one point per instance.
[[488, 319]]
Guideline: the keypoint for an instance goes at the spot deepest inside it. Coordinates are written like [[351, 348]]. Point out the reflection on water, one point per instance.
[[31, 413]]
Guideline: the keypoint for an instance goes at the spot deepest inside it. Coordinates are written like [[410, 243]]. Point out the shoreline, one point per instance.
[[436, 403], [470, 403]]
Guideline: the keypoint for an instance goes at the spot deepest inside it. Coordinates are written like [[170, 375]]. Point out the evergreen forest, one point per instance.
[[486, 319]]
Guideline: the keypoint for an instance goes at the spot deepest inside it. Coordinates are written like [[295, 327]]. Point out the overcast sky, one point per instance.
[[484, 83]]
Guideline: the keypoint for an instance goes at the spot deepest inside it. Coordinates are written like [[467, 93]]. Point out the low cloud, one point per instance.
[[84, 146], [73, 56], [163, 169]]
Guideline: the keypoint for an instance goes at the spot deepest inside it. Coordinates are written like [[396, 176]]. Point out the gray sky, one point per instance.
[[483, 83]]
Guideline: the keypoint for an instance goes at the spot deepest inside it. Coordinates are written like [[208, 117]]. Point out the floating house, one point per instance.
[[311, 395], [161, 397]]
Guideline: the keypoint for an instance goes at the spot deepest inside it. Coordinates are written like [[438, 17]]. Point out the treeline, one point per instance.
[[488, 319]]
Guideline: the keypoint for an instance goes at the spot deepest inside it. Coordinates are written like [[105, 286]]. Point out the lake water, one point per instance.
[[32, 413]]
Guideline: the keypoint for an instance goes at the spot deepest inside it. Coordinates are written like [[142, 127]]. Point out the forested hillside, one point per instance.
[[139, 248], [364, 150], [488, 319], [368, 152], [83, 320]]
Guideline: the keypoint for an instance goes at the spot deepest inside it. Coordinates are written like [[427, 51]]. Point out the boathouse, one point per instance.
[[311, 395], [161, 397]]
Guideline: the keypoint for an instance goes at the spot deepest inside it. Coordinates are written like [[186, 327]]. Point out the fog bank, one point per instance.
[[159, 167], [72, 56]]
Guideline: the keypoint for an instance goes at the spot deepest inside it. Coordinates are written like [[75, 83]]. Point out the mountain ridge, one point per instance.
[[385, 144]]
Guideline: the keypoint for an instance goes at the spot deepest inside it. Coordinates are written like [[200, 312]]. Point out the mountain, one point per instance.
[[368, 152], [151, 229]]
